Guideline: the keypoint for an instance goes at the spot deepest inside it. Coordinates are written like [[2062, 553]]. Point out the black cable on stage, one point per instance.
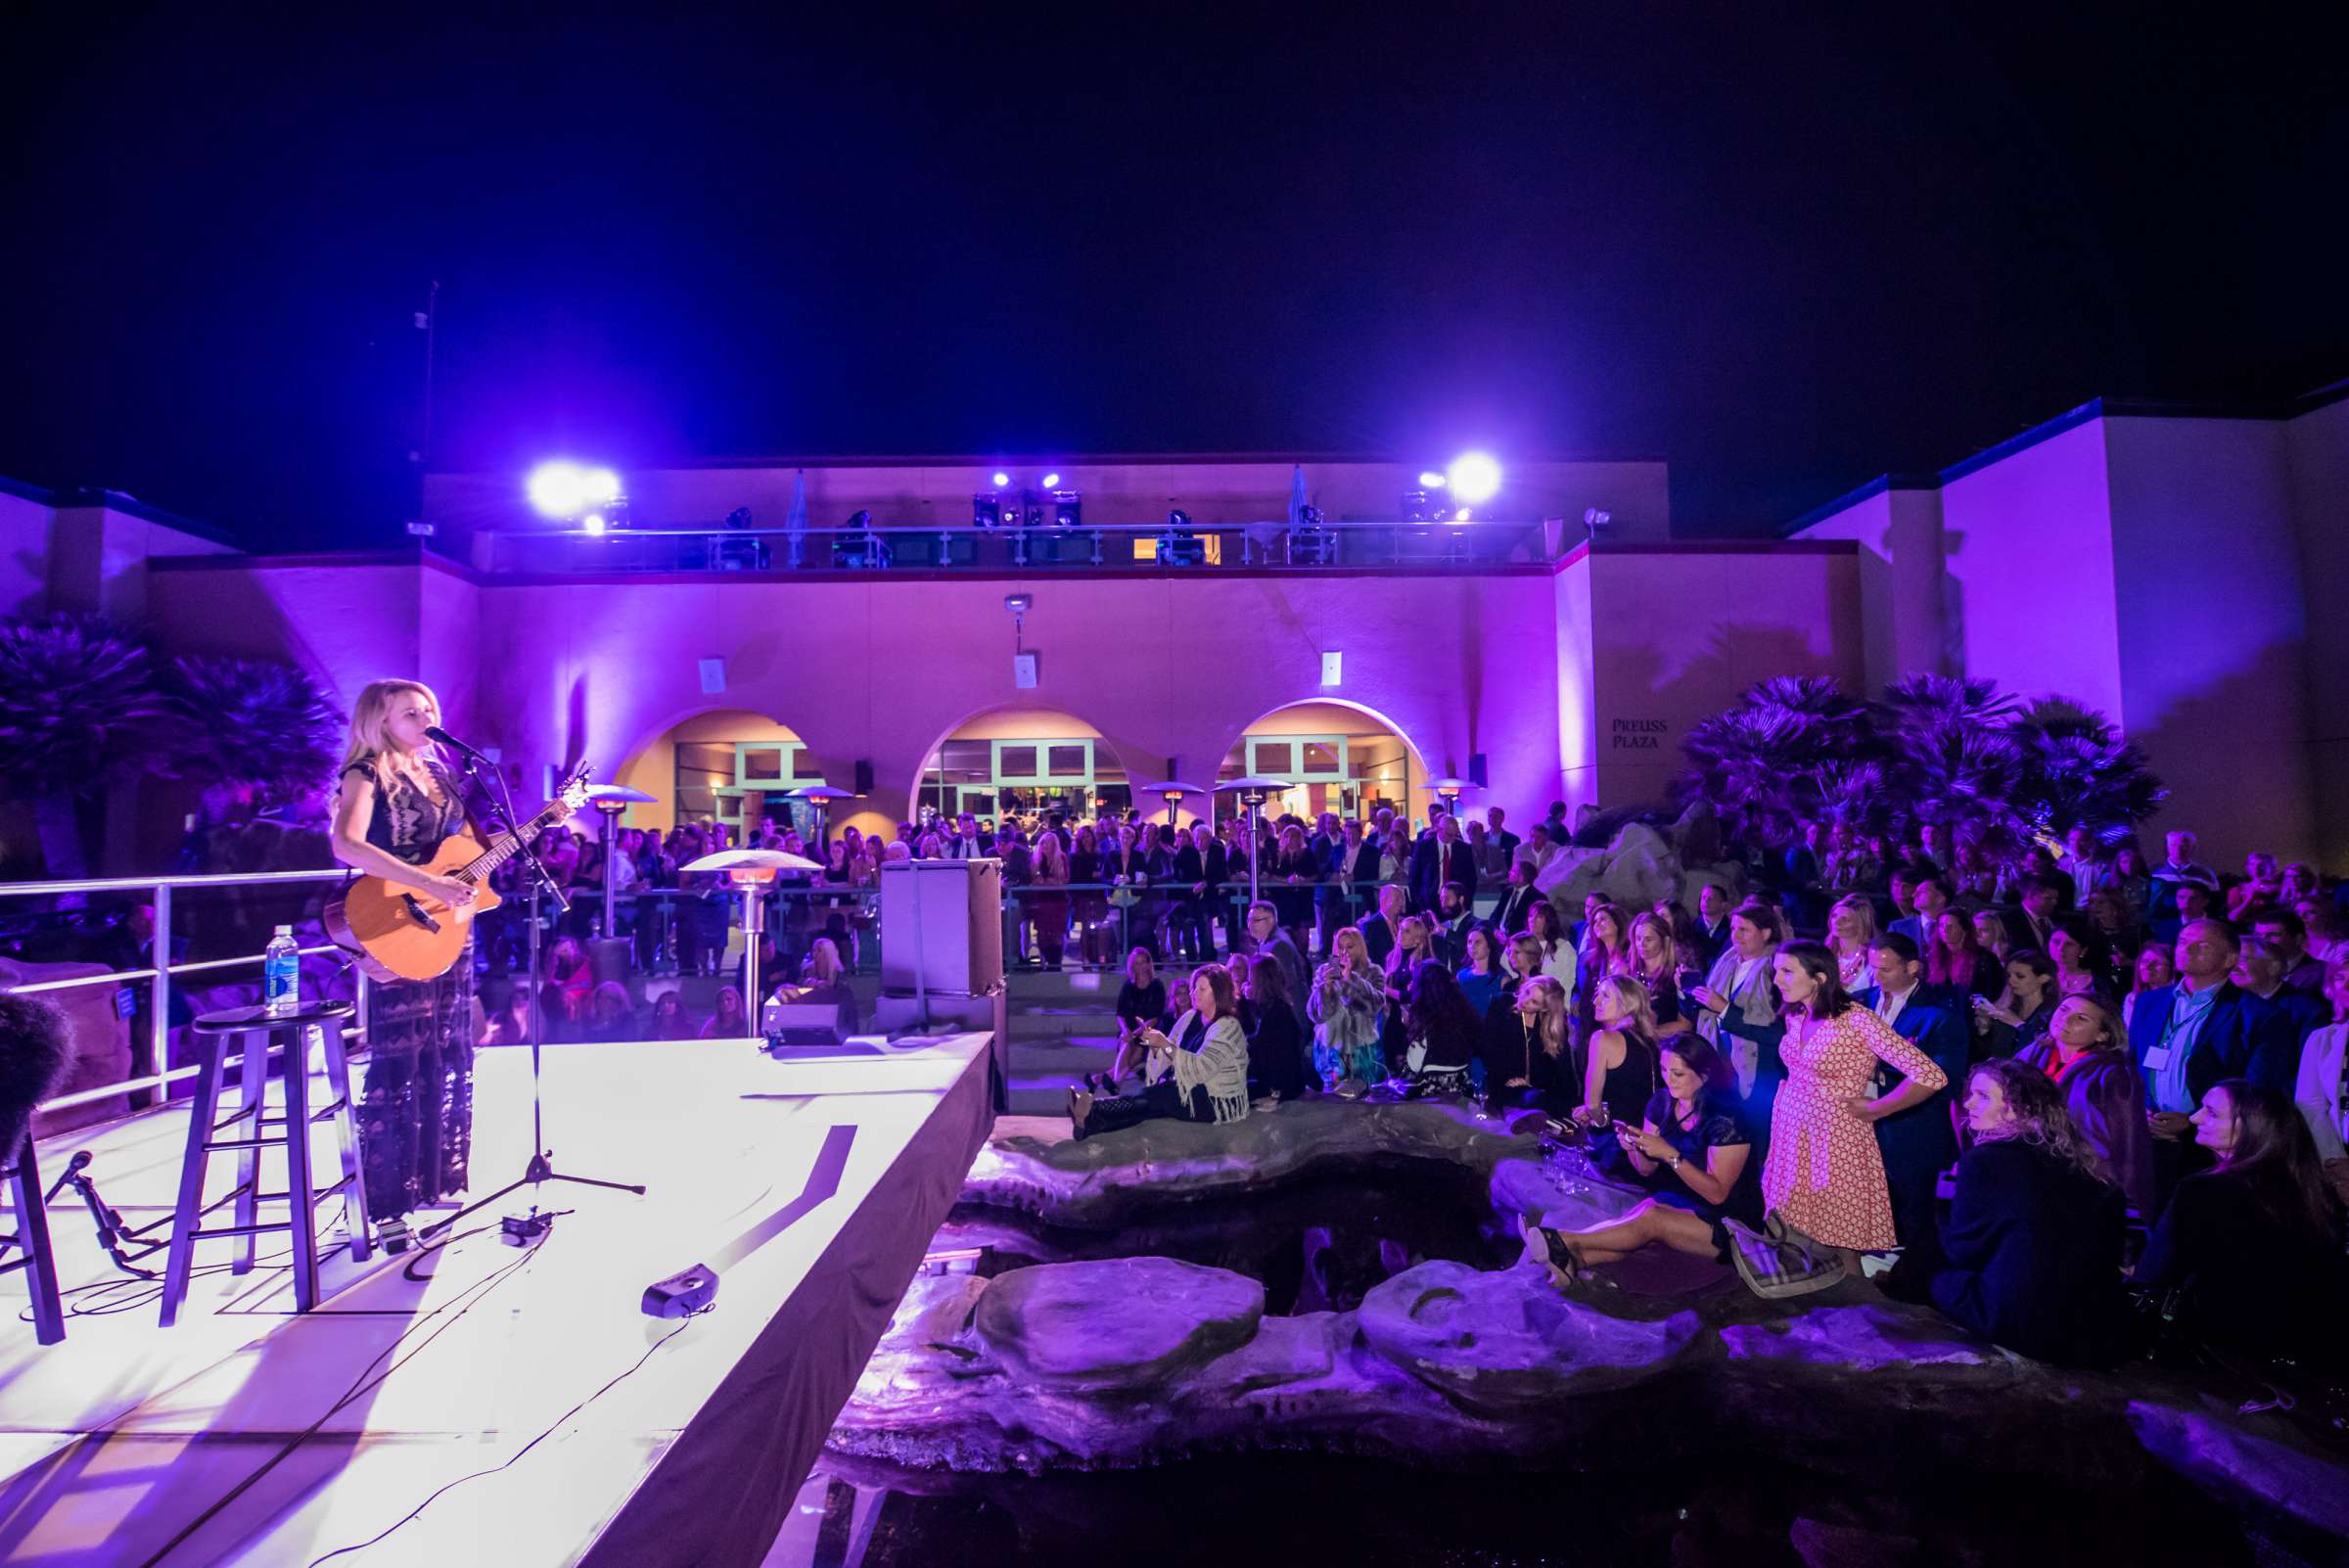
[[479, 1291], [548, 1432]]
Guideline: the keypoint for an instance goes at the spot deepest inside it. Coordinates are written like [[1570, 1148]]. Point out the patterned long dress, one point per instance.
[[1826, 1174], [416, 1106]]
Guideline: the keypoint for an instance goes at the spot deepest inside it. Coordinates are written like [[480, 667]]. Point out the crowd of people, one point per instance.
[[2047, 1088]]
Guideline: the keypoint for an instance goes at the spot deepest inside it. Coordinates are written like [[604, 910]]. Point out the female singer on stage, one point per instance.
[[395, 802]]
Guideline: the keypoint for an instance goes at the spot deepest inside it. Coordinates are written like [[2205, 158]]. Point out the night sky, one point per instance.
[[1785, 255]]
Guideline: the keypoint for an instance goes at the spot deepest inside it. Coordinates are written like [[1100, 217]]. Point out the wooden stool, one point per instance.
[[254, 1033], [24, 1178]]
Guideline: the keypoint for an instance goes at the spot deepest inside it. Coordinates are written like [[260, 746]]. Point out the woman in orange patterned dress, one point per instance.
[[1824, 1174]]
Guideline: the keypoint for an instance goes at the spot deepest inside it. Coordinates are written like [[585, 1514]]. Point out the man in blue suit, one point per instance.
[[2202, 1031], [1920, 1142]]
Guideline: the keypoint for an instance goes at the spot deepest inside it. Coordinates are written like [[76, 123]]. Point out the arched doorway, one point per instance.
[[1338, 757], [1027, 762], [731, 767]]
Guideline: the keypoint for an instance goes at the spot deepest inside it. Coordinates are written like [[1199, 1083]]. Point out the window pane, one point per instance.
[[1273, 759], [1018, 761], [761, 761], [1320, 757], [1066, 761]]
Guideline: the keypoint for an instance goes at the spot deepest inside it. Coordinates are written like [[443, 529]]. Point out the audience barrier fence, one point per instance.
[[1091, 927]]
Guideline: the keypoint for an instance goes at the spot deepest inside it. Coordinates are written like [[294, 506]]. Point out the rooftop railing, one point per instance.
[[1124, 547]]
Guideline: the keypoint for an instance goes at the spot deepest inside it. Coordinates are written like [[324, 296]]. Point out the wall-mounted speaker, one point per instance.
[[714, 677], [864, 775], [1476, 770]]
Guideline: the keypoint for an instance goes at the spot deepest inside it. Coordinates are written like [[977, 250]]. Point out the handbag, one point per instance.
[[1783, 1263]]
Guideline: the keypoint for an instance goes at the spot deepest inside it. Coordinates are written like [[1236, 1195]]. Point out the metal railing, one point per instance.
[[158, 978], [1135, 548]]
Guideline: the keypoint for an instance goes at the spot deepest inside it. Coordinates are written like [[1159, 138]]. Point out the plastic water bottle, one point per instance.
[[281, 973]]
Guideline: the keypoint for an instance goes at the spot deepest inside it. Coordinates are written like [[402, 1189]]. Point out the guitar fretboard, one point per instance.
[[509, 842]]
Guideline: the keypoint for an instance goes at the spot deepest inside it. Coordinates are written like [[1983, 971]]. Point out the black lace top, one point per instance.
[[408, 822]]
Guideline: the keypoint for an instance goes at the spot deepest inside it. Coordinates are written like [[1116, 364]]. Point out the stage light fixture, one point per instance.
[[1000, 480], [593, 522], [1051, 481], [564, 489], [1430, 479], [1068, 509], [861, 519], [1460, 515], [987, 512], [1474, 478]]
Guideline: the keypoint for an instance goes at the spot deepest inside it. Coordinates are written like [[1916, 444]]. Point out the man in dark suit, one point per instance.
[[1453, 921], [1264, 924], [2200, 1031], [2259, 970], [1214, 868], [1382, 930], [1503, 839], [2287, 934], [1928, 900], [1920, 1142], [1186, 916], [1517, 903], [2032, 925], [1714, 906], [1440, 857]]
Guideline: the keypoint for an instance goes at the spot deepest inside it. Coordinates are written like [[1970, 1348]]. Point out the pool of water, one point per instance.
[[1318, 1246]]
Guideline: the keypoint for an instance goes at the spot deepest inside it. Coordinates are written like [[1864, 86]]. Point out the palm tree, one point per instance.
[[79, 711], [1769, 765], [1922, 704], [2082, 772], [1965, 776], [264, 727]]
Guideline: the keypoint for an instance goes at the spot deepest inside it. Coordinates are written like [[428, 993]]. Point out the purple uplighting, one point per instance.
[[1645, 862]]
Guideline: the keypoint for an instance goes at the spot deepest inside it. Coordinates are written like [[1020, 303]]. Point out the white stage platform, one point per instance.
[[252, 1435]]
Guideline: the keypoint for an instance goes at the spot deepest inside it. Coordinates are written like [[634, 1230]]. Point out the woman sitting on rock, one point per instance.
[[2252, 1247], [1345, 1007], [1443, 1031], [1142, 1008], [1694, 1151], [2033, 1242], [1529, 1060], [1275, 1039], [1197, 1074], [1619, 1080]]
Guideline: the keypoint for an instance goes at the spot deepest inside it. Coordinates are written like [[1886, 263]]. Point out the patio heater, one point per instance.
[[1172, 791], [1252, 794], [822, 796], [753, 872], [1451, 789], [608, 801]]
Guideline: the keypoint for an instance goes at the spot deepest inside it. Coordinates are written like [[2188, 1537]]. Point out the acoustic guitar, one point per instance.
[[396, 933]]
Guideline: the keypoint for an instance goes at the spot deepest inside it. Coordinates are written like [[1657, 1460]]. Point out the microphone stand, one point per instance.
[[541, 1166]]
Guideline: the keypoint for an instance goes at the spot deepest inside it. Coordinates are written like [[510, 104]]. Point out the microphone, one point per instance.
[[436, 732]]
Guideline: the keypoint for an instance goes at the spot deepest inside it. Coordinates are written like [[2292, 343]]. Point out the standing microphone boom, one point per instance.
[[436, 732]]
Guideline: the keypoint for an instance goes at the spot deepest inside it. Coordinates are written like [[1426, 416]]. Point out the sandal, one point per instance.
[[1077, 1122], [1558, 1254]]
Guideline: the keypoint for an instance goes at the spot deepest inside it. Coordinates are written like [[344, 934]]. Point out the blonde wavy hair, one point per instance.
[[370, 711], [1638, 1011], [1550, 996]]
